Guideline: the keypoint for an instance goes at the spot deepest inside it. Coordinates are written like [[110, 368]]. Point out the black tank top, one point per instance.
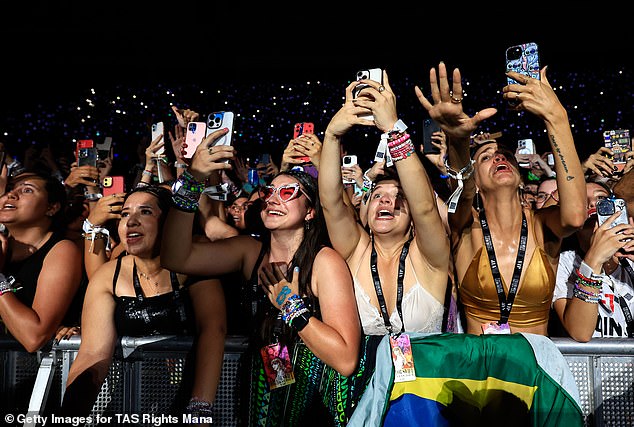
[[27, 272], [165, 314]]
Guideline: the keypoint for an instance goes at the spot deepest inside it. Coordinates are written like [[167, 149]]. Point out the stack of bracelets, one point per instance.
[[199, 408], [400, 145], [7, 285], [294, 308], [582, 294], [92, 232], [186, 192]]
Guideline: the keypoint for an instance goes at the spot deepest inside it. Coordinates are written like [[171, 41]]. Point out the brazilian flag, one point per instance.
[[473, 380]]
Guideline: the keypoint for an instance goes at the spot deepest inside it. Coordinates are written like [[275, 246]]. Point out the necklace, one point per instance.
[[151, 281], [33, 248]]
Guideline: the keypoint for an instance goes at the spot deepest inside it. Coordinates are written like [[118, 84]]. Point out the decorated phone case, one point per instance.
[[523, 59]]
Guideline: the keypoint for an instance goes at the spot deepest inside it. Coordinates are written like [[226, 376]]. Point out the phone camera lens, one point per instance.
[[360, 75], [605, 207], [192, 127]]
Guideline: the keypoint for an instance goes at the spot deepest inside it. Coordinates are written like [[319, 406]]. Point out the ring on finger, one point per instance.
[[381, 88], [210, 149], [455, 100], [110, 208]]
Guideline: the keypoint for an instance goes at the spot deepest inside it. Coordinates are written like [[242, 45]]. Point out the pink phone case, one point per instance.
[[196, 132]]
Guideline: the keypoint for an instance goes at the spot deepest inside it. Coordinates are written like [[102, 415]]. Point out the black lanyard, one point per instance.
[[506, 301], [626, 310], [399, 288]]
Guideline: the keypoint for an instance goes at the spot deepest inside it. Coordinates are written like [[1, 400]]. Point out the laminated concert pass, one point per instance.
[[494, 329], [277, 365], [402, 358]]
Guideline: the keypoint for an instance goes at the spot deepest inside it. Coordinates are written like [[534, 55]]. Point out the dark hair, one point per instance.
[[56, 193], [163, 195], [315, 238]]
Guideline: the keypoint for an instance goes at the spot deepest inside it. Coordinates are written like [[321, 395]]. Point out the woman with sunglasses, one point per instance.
[[303, 303], [505, 254], [400, 262]]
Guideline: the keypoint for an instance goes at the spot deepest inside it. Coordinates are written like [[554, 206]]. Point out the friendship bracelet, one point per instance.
[[403, 151], [186, 192], [583, 280], [585, 296], [181, 165], [147, 173]]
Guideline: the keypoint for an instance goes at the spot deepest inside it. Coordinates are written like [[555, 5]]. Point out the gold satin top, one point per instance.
[[531, 306]]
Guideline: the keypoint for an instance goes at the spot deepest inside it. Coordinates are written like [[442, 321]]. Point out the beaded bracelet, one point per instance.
[[292, 308], [585, 281], [585, 296], [403, 150], [181, 165], [186, 192]]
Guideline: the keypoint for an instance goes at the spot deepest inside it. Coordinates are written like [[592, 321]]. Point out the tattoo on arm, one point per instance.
[[561, 157]]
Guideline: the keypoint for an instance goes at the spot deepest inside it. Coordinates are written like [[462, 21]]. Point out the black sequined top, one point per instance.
[[165, 314]]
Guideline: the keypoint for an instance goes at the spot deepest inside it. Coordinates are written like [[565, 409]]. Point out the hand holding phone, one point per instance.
[[349, 161], [525, 147], [375, 74], [157, 131], [608, 207], [300, 129], [429, 128], [522, 59]]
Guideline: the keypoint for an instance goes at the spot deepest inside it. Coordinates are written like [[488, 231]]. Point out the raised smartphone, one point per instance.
[[429, 127], [83, 143], [375, 74], [618, 140], [194, 135], [87, 156], [157, 130], [607, 207], [349, 161], [523, 59], [300, 129], [113, 184], [219, 120]]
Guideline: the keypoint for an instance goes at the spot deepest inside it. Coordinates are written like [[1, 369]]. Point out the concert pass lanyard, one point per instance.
[[399, 289], [626, 310], [506, 301]]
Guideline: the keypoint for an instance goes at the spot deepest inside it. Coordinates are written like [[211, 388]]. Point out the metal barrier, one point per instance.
[[147, 375]]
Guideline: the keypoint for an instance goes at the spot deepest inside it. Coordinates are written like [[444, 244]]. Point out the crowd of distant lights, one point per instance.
[[265, 112]]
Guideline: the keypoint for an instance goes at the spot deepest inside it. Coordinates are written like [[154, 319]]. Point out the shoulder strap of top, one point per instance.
[[116, 275]]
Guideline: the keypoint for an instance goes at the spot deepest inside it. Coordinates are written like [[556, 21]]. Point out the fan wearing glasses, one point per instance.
[[303, 302]]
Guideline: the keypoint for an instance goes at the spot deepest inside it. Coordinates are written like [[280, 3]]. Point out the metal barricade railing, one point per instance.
[[148, 373]]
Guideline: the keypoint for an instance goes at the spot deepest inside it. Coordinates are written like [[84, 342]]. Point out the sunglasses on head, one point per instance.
[[286, 192]]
